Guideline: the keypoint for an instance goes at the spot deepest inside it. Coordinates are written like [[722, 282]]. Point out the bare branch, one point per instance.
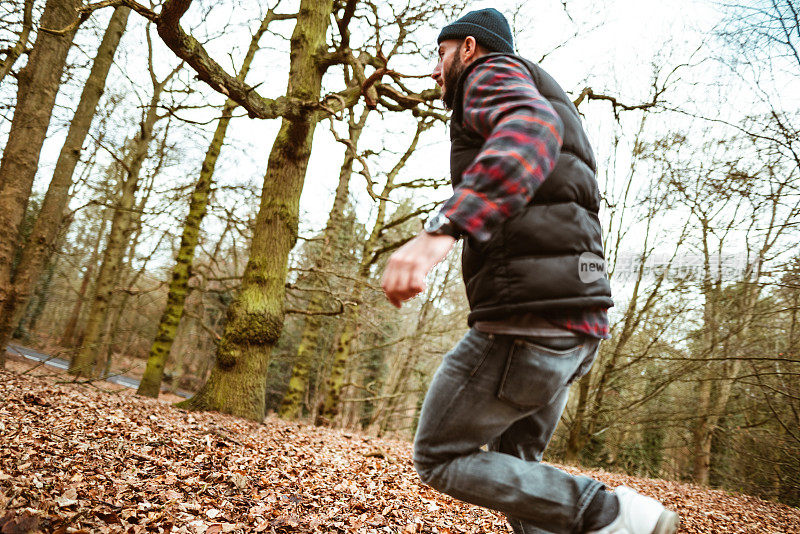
[[86, 11], [190, 50], [22, 41], [589, 94], [362, 160], [322, 312]]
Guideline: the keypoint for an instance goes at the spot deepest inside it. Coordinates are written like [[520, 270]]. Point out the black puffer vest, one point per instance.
[[537, 259]]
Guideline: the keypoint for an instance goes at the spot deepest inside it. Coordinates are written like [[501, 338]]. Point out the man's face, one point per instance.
[[448, 69]]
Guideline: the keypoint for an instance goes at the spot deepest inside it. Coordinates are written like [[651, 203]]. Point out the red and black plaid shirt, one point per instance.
[[523, 136]]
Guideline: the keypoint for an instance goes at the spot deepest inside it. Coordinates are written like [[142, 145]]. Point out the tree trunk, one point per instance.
[[38, 248], [120, 301], [715, 387], [42, 294], [393, 395], [577, 438], [68, 337], [36, 94], [703, 432], [122, 224], [291, 404], [344, 340], [181, 272], [237, 384], [711, 404], [341, 355]]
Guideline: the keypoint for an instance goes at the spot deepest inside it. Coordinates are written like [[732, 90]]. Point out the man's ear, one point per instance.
[[469, 49]]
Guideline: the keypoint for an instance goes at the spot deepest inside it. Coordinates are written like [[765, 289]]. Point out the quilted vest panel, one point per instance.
[[537, 259]]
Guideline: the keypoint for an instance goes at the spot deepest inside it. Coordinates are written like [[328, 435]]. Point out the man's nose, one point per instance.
[[436, 74]]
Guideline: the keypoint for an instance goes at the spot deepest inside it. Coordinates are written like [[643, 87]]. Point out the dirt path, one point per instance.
[[59, 363]]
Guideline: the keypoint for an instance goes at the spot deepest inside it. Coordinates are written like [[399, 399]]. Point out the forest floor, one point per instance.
[[96, 458]]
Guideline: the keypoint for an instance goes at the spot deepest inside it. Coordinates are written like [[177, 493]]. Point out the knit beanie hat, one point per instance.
[[488, 26]]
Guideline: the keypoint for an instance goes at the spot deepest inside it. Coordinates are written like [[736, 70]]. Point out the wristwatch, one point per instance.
[[439, 224]]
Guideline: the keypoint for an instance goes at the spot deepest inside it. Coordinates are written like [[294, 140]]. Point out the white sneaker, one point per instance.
[[639, 514]]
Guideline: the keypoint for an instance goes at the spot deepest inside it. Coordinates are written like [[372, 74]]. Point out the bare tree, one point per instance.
[[255, 318], [376, 246], [36, 250], [168, 325], [123, 223], [400, 395], [37, 87], [330, 243], [69, 335]]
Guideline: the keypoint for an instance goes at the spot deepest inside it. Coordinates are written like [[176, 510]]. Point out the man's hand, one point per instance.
[[404, 277]]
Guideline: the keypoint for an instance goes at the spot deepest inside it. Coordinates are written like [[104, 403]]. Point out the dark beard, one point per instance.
[[451, 77]]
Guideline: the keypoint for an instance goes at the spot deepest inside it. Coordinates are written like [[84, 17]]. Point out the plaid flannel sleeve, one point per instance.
[[523, 136]]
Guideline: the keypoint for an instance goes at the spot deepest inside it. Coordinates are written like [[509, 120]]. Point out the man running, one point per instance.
[[525, 200]]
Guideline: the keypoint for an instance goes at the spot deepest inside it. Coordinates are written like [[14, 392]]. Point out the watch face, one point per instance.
[[435, 222]]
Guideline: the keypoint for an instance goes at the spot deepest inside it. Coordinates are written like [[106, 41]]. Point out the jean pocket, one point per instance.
[[469, 355], [534, 373]]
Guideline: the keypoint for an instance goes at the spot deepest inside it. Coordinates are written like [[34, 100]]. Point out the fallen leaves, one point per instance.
[[73, 459], [68, 498]]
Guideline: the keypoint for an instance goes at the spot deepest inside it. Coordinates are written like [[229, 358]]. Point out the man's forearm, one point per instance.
[[515, 160], [523, 136]]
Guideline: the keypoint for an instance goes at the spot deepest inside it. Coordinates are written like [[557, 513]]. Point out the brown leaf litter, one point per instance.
[[75, 459]]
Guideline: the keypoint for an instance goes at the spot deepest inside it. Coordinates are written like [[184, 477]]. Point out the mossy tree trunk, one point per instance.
[[37, 85], [237, 384], [341, 355], [255, 319], [198, 205], [292, 403], [37, 249]]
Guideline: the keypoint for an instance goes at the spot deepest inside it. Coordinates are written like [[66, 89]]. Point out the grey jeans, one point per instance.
[[507, 393]]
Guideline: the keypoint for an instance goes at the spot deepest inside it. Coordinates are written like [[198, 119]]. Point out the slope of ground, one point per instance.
[[77, 459]]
